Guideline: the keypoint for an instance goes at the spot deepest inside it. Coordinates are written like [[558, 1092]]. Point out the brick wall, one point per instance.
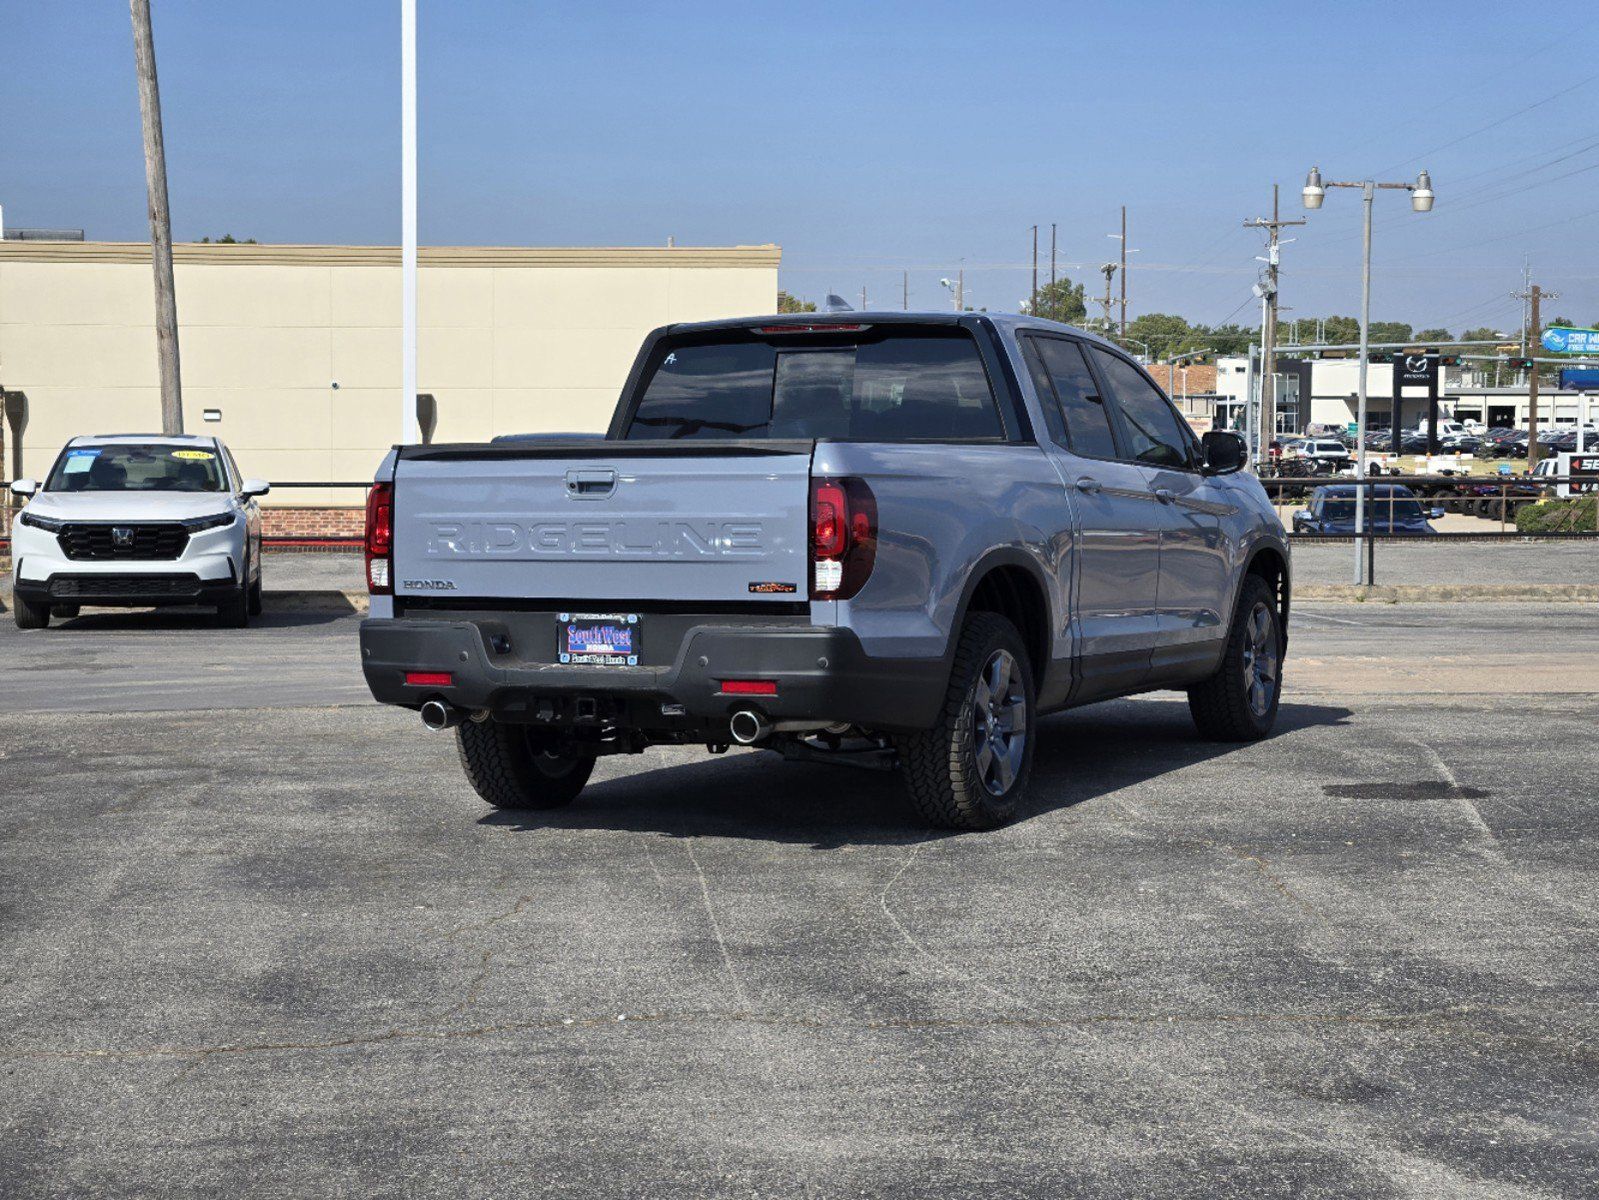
[[278, 522], [313, 522], [1201, 377]]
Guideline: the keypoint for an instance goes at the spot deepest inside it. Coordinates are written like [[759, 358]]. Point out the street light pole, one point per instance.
[[1421, 200]]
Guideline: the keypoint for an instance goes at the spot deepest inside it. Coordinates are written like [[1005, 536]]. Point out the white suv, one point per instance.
[[137, 520]]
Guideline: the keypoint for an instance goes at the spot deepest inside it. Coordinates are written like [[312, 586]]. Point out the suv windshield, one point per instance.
[[902, 384], [1378, 509], [136, 468]]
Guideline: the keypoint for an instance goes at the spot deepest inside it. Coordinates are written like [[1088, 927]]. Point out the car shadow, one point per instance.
[[1081, 756], [120, 620]]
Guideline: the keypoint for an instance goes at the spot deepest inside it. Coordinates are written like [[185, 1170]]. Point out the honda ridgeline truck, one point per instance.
[[886, 539]]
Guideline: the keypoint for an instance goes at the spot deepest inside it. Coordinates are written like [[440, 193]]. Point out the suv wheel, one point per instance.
[[504, 767], [234, 613], [1239, 702], [29, 616], [253, 604], [970, 770]]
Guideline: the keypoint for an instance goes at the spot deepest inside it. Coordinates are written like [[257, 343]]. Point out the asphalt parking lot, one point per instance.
[[260, 938]]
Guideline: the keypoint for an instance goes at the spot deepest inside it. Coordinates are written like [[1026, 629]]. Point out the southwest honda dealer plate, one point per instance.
[[597, 639]]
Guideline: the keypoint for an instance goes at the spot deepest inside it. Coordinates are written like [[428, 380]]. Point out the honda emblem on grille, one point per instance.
[[121, 536]]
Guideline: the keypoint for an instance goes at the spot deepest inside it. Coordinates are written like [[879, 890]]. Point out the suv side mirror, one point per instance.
[[254, 487], [1224, 452], [24, 487]]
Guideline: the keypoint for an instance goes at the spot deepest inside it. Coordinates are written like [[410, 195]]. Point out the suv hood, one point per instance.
[[129, 506]]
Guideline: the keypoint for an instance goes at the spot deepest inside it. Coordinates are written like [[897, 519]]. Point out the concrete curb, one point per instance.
[[1452, 593]]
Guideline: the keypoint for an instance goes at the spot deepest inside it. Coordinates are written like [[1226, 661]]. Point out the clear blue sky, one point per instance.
[[864, 138]]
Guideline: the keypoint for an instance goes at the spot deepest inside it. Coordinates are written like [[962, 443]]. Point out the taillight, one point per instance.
[[843, 537], [379, 539]]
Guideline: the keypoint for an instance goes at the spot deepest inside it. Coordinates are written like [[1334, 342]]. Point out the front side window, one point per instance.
[[1154, 431], [1083, 411], [906, 385], [137, 468]]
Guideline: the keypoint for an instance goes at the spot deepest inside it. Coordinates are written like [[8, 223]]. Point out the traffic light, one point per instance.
[[1450, 360], [1519, 364]]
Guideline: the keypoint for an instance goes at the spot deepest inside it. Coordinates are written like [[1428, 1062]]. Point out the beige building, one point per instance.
[[291, 354]]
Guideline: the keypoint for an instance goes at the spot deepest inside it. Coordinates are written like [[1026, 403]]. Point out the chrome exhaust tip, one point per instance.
[[748, 727], [439, 716]]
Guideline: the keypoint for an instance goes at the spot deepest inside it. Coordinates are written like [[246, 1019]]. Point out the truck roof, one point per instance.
[[1013, 321]]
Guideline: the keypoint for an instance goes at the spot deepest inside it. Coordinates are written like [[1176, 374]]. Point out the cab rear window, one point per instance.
[[891, 386]]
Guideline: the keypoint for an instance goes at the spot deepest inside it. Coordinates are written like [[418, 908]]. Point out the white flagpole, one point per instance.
[[410, 432]]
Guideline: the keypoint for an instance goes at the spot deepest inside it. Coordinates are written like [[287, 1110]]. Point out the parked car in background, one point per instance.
[[1390, 508], [888, 539], [137, 520], [1329, 455]]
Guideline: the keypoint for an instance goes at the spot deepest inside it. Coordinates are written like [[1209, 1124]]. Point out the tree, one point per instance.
[[1433, 335], [788, 304], [1484, 334], [1561, 323], [1164, 333], [1062, 301], [227, 239], [1388, 331]]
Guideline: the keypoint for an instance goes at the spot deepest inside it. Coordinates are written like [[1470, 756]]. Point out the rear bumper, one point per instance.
[[126, 589], [821, 673]]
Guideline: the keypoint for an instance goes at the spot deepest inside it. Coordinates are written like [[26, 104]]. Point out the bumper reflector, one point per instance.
[[429, 678], [749, 687]]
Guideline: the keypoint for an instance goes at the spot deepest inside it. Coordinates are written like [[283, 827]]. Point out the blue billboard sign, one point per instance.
[[1558, 339]]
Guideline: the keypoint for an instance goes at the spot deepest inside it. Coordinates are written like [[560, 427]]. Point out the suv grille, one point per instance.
[[77, 587], [96, 543]]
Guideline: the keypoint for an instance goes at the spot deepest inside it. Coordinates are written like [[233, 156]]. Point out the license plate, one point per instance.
[[597, 639]]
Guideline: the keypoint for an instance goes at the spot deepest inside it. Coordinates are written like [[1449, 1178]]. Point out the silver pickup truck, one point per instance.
[[892, 540]]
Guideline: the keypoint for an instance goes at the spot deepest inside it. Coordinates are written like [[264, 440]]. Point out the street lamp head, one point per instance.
[[1421, 195], [1314, 193]]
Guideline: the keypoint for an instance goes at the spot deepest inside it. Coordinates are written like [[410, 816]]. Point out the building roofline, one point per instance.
[[243, 254]]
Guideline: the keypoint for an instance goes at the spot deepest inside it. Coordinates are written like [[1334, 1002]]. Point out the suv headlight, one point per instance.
[[48, 524], [196, 524]]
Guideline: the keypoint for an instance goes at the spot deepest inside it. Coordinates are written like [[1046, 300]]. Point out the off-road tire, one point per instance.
[[253, 604], [505, 768], [940, 764], [29, 616], [1221, 705]]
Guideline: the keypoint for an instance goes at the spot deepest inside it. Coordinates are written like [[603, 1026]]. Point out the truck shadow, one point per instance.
[[1081, 756]]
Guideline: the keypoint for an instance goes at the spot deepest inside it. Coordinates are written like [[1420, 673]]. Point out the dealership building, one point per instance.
[[291, 354]]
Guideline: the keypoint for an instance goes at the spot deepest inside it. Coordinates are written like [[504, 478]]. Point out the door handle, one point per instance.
[[1165, 495], [590, 485], [1088, 484]]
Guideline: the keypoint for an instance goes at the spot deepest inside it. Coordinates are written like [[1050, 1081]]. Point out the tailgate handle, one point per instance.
[[590, 485]]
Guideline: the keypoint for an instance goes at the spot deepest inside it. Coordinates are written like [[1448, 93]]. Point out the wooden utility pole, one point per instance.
[[1032, 308], [155, 182], [1268, 336], [1534, 295]]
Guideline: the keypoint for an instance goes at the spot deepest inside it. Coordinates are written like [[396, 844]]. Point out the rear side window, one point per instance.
[[910, 385], [1082, 411], [1154, 431]]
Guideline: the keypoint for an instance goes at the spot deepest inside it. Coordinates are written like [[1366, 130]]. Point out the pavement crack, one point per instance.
[[1264, 868], [716, 927]]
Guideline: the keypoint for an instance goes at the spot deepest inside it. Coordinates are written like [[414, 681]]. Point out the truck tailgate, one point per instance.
[[604, 521]]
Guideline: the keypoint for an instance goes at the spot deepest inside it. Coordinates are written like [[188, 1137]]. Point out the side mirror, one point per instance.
[[254, 487], [1224, 452], [24, 487]]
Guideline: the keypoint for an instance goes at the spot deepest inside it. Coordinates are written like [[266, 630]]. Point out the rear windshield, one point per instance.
[[135, 468], [899, 385]]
